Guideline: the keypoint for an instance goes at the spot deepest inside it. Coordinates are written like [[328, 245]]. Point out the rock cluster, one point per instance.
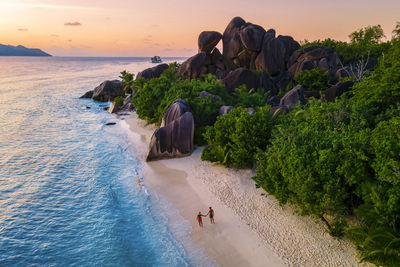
[[251, 56]]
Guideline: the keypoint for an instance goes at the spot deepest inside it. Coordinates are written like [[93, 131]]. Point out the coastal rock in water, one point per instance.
[[88, 94], [114, 108], [238, 77], [208, 40], [108, 90], [293, 97], [173, 140], [175, 110], [153, 72], [225, 110], [192, 67]]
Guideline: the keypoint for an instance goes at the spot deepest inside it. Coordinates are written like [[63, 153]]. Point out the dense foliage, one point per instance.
[[127, 79], [313, 80], [235, 137], [330, 160]]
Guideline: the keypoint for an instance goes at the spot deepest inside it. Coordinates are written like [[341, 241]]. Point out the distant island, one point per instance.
[[9, 50]]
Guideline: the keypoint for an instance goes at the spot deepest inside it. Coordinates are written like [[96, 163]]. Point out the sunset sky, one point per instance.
[[171, 27]]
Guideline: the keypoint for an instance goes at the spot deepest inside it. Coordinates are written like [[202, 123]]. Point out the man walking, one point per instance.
[[211, 213]]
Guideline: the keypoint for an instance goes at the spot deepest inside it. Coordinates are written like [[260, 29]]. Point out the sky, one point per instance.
[[171, 27]]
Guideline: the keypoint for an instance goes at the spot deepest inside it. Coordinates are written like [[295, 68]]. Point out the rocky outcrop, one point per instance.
[[153, 72], [88, 94], [205, 94], [128, 105], [272, 56], [238, 77], [312, 57], [193, 67], [337, 90], [225, 110], [231, 42], [175, 110], [208, 40], [252, 36], [108, 90], [114, 107], [173, 140], [293, 97]]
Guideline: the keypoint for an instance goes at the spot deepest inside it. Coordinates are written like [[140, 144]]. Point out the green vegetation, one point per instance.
[[128, 81], [237, 136], [313, 80], [119, 100]]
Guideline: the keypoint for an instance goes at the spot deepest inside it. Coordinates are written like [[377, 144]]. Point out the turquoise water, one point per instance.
[[68, 195]]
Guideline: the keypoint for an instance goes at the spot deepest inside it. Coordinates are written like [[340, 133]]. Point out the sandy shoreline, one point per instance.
[[250, 229]]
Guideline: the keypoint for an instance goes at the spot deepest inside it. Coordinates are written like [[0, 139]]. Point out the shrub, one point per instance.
[[237, 136], [253, 98], [128, 81], [317, 159], [313, 80]]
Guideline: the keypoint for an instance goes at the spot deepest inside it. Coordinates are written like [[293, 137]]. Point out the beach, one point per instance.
[[251, 228]]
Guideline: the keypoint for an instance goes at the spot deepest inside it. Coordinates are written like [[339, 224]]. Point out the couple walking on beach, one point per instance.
[[210, 214]]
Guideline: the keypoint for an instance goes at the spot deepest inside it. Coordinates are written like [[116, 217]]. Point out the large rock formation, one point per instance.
[[238, 77], [108, 90], [311, 57], [177, 109], [208, 40], [153, 72], [293, 97], [173, 140], [88, 94], [231, 42], [192, 67]]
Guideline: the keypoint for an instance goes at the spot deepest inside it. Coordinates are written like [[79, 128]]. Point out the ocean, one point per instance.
[[68, 192]]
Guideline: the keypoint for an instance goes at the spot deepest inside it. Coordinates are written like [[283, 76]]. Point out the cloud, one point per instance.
[[147, 40], [55, 35], [69, 40], [72, 23], [23, 30]]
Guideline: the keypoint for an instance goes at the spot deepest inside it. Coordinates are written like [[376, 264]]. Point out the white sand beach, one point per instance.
[[251, 229]]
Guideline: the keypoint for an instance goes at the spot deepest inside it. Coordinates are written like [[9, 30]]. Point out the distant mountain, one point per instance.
[[9, 50]]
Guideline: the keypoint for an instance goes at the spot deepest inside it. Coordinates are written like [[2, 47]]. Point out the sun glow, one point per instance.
[[135, 28]]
